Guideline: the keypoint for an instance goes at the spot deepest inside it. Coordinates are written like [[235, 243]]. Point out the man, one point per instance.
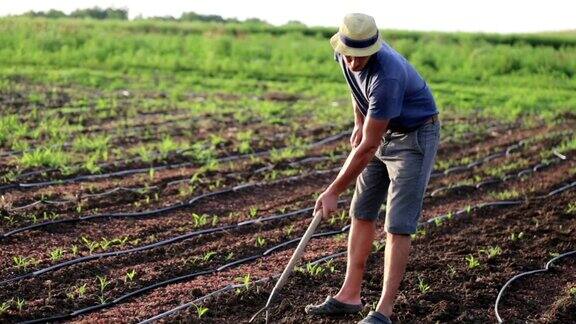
[[394, 144]]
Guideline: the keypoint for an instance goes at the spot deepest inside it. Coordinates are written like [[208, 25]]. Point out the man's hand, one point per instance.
[[327, 202], [356, 137]]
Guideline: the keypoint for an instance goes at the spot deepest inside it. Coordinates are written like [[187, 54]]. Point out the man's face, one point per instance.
[[356, 63]]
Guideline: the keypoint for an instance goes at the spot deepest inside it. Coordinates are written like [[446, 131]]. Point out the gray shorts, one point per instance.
[[399, 174]]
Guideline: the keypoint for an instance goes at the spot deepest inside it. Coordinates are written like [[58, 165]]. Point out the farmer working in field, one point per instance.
[[394, 145]]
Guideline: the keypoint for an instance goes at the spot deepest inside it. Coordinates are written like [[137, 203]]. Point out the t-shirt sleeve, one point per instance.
[[385, 99]]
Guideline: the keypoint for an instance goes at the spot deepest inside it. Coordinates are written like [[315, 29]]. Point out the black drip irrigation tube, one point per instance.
[[184, 277], [458, 214], [155, 212], [527, 273], [544, 164], [505, 152], [90, 177]]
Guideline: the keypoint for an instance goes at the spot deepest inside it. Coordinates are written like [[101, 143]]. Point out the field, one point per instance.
[[165, 171]]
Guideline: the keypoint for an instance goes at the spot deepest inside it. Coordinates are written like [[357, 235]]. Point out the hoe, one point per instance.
[[291, 264]]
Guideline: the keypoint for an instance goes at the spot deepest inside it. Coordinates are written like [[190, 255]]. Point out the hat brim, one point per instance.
[[341, 48]]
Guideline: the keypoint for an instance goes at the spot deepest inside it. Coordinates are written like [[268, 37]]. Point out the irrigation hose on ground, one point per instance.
[[291, 264]]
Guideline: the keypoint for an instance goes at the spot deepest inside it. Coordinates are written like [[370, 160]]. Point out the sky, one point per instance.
[[500, 16]]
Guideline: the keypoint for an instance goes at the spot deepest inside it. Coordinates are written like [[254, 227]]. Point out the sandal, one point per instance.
[[375, 318], [331, 306]]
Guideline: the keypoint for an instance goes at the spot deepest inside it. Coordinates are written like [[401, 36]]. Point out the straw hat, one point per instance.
[[357, 36]]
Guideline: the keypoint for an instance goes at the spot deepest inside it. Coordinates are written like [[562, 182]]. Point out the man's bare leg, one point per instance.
[[395, 260], [360, 240]]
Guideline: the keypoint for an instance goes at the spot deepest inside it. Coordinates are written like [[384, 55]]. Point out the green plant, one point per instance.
[[56, 254], [130, 275], [5, 306], [451, 271], [492, 251], [572, 291], [103, 284], [438, 222], [472, 262], [377, 246], [91, 245], [245, 280], [423, 286], [260, 241], [208, 256], [571, 208], [514, 237], [314, 269], [253, 212], [289, 230], [22, 262], [20, 303], [199, 220], [200, 310]]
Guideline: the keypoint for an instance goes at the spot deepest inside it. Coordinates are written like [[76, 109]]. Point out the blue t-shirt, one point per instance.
[[390, 88]]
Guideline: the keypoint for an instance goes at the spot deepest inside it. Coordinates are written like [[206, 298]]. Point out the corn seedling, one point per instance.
[[260, 241], [330, 266], [438, 222], [289, 230], [378, 246], [74, 249], [56, 254], [4, 307], [253, 212], [245, 281], [423, 286], [492, 251], [472, 262], [20, 303], [572, 291], [214, 220], [208, 256], [314, 270], [200, 310], [103, 283], [90, 245], [571, 209], [199, 220], [419, 233], [514, 237], [22, 262], [229, 256], [130, 275], [451, 271], [468, 209]]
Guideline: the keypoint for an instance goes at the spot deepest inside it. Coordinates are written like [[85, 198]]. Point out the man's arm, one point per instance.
[[356, 136], [372, 132]]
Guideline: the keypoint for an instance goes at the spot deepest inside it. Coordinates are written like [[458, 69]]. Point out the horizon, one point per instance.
[[441, 16]]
